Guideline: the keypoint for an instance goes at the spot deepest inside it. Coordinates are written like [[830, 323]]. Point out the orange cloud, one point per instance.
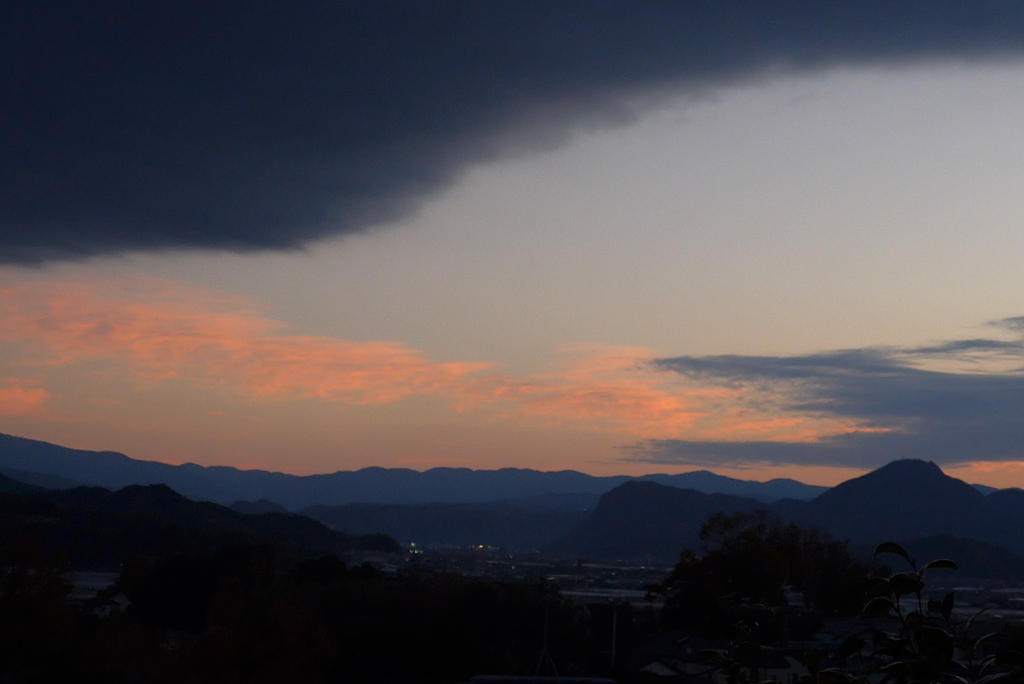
[[17, 399], [619, 389], [999, 474], [164, 329], [167, 330], [612, 387]]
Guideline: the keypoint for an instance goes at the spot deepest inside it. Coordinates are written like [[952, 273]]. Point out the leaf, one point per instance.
[[712, 655], [729, 600], [992, 677], [871, 668], [747, 653], [879, 606], [851, 646], [986, 663], [978, 642], [947, 604], [936, 644], [955, 667], [960, 678], [875, 582], [896, 648], [940, 564], [906, 583], [970, 620], [813, 661], [893, 547], [893, 667]]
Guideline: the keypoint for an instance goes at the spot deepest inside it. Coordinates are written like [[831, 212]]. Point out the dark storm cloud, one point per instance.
[[946, 417], [255, 125]]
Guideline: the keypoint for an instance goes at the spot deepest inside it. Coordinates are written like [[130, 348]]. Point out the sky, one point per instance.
[[770, 240]]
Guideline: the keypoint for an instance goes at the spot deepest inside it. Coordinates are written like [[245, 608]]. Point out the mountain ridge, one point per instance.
[[650, 518], [225, 484]]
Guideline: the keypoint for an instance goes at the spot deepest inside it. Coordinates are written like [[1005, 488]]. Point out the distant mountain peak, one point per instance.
[[905, 476], [910, 466]]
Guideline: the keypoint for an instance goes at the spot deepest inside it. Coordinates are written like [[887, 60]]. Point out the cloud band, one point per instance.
[[266, 125]]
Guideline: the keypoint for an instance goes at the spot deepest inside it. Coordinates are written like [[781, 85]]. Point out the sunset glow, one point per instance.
[[805, 270], [158, 330]]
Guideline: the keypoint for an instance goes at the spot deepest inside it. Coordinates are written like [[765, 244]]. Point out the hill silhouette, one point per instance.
[[975, 559], [909, 500], [902, 500], [646, 520], [258, 507], [510, 525], [653, 517], [100, 529], [913, 499], [11, 486]]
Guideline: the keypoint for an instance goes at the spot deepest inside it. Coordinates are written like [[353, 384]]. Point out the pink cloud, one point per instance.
[[619, 389], [168, 330], [164, 329]]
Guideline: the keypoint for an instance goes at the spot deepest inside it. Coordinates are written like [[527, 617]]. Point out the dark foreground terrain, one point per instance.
[[764, 600], [754, 592], [94, 528]]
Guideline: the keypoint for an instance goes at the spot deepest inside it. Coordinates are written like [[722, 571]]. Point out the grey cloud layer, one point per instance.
[[945, 417], [265, 125]]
